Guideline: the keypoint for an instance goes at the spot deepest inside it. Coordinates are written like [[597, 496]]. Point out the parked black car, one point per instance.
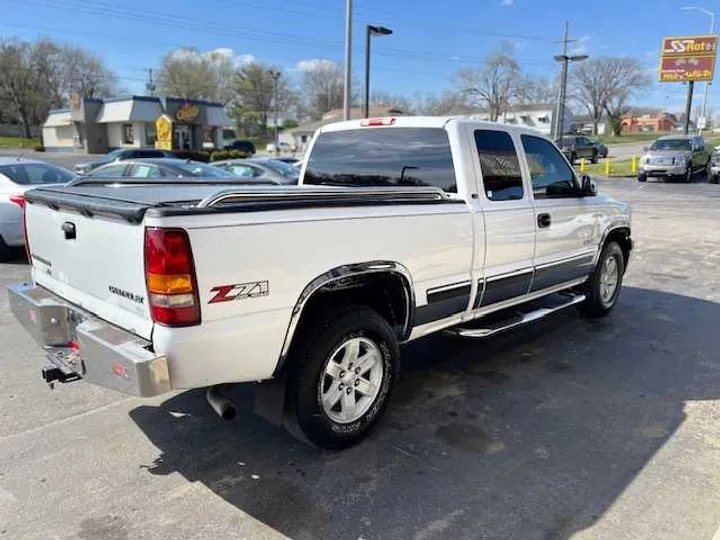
[[242, 146], [578, 146], [119, 155]]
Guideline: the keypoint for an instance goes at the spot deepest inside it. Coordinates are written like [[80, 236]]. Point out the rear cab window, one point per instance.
[[397, 156]]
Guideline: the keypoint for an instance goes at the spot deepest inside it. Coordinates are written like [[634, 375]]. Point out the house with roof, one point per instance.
[[299, 137], [540, 117], [98, 125]]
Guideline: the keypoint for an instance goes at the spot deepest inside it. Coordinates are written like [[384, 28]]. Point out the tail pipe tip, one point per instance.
[[223, 406]]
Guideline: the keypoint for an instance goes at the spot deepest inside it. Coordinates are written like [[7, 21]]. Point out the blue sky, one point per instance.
[[431, 40]]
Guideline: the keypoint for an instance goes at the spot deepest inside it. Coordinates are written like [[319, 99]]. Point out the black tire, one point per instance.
[[594, 304], [573, 158], [594, 158], [642, 178], [6, 252], [688, 174], [713, 179], [307, 417]]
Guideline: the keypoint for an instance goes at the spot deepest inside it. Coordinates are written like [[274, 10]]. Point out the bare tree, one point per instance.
[[190, 74], [322, 86], [448, 103], [81, 72], [494, 84], [381, 98], [626, 76], [605, 85], [25, 71], [536, 91], [254, 91]]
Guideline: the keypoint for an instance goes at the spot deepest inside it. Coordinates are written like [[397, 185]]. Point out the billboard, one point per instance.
[[688, 58]]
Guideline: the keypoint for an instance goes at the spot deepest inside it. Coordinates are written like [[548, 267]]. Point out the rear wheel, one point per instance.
[[343, 370], [5, 251], [713, 179], [603, 286], [594, 158], [642, 177]]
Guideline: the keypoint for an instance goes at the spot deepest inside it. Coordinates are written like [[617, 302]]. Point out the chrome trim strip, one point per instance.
[[566, 260], [509, 274], [486, 310], [342, 272], [299, 194], [443, 288]]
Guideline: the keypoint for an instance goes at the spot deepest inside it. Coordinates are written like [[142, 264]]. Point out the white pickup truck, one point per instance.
[[401, 227]]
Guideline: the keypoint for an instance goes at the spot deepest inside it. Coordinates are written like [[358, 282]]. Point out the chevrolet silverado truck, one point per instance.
[[400, 227]]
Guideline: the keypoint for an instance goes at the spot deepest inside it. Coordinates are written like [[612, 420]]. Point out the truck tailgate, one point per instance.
[[94, 262]]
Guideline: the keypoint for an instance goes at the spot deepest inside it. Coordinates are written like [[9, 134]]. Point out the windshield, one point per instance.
[[671, 144], [112, 155], [195, 168], [285, 169], [30, 174]]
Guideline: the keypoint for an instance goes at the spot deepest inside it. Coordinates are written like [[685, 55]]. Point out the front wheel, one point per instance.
[[688, 174], [714, 179], [594, 158], [642, 177], [343, 370], [603, 286]]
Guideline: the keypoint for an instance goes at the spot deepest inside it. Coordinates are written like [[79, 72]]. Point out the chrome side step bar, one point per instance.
[[515, 321]]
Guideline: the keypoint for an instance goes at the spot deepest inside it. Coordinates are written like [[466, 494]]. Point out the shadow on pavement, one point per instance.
[[531, 435]]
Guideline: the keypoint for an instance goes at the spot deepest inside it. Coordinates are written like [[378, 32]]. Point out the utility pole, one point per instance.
[[565, 60], [348, 60], [711, 14], [150, 85], [276, 76]]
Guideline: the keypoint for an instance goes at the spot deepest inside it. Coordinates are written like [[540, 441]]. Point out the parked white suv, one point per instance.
[[401, 227]]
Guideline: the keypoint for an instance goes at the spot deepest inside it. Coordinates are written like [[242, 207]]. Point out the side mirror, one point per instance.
[[588, 187]]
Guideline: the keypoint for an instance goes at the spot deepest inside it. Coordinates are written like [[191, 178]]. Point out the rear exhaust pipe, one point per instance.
[[222, 405]]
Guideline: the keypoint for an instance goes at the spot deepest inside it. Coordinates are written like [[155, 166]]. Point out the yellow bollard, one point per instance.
[[607, 166], [582, 165], [633, 165]]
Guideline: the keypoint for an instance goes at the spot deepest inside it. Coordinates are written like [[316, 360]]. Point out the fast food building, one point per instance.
[[99, 125]]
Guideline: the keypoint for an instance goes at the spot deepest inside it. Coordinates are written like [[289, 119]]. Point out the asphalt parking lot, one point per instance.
[[569, 428]]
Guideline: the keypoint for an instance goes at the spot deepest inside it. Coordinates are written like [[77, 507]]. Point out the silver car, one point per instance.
[[674, 156], [269, 170]]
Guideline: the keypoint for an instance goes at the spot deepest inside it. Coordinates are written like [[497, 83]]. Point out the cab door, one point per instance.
[[504, 263], [567, 224]]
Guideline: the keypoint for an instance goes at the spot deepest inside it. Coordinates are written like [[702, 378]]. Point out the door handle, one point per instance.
[[543, 221]]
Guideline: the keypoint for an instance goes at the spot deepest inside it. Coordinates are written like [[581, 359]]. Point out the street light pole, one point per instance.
[[710, 14], [348, 59], [369, 32]]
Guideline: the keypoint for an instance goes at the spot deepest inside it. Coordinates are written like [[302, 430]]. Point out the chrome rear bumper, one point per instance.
[[77, 342]]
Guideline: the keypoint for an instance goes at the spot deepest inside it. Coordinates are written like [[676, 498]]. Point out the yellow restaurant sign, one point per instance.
[[187, 113], [163, 130]]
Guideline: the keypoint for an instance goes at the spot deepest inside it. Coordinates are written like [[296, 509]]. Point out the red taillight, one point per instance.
[[170, 277], [25, 234], [18, 199], [369, 122]]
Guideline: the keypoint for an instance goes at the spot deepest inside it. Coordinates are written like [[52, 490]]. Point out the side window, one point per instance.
[[145, 171], [149, 154], [110, 170], [242, 170], [551, 175], [499, 164]]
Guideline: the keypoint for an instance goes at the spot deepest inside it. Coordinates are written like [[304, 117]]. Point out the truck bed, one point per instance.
[[132, 200]]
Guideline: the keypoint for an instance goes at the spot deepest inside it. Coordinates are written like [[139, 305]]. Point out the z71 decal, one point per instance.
[[239, 291]]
